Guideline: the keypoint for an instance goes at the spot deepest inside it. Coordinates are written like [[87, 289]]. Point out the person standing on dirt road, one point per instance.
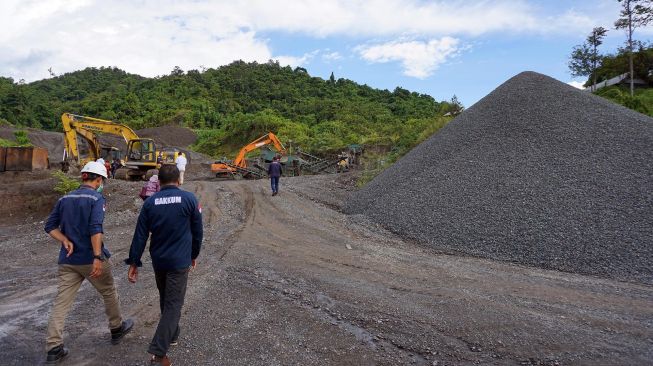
[[274, 172], [76, 222], [174, 217], [150, 188], [181, 165], [107, 166], [115, 166]]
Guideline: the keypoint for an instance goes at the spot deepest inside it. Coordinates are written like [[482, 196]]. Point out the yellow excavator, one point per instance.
[[141, 158], [239, 164]]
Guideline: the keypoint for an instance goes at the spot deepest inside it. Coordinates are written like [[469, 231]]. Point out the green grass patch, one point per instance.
[[6, 143], [64, 184], [642, 101], [21, 140]]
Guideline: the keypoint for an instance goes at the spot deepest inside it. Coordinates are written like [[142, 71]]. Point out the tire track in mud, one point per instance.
[[268, 222], [222, 223]]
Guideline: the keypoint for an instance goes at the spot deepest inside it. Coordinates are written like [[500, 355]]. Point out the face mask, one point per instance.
[[100, 188]]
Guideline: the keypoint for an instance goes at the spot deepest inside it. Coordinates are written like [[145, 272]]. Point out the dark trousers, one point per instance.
[[172, 290], [274, 182]]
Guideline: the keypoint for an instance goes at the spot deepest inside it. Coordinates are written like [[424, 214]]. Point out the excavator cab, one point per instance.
[[141, 151]]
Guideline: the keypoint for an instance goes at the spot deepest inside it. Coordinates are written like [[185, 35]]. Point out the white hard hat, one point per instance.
[[95, 168]]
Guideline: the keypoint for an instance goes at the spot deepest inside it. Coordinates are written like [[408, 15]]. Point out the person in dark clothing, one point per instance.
[[76, 222], [115, 165], [174, 219], [274, 172]]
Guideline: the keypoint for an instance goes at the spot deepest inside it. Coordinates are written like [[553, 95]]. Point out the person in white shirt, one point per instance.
[[181, 165]]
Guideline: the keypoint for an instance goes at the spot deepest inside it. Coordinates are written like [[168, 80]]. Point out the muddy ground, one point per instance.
[[289, 280]]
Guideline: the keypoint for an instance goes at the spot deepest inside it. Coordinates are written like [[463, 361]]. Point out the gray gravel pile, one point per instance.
[[538, 173]]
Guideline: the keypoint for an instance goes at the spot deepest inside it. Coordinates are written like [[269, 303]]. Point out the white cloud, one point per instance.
[[142, 38], [297, 61], [391, 17], [331, 56], [418, 59], [577, 84], [150, 37]]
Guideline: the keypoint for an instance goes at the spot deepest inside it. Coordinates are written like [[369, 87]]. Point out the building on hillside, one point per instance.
[[622, 79]]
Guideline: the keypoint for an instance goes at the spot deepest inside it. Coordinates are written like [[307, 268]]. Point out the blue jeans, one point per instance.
[[274, 182]]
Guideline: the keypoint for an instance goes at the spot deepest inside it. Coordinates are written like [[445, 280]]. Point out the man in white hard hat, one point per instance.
[[76, 222]]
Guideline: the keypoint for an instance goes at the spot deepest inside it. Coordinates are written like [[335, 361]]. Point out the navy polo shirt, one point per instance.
[[174, 218], [78, 215], [274, 170]]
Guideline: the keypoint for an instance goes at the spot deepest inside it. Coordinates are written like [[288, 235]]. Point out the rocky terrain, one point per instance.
[[290, 280]]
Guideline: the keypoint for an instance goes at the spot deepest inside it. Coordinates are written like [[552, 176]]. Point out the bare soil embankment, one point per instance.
[[288, 280]]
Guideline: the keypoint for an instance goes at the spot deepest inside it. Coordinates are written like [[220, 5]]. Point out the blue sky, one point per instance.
[[435, 47]]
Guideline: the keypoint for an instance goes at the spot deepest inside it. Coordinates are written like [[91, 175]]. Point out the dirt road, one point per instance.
[[289, 280]]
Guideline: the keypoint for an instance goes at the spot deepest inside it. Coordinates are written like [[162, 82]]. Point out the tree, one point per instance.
[[332, 78], [177, 71], [240, 102], [595, 40], [457, 106], [585, 58], [580, 63], [634, 14]]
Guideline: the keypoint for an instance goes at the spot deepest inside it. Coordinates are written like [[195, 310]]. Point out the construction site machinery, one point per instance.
[[239, 166], [316, 165], [140, 160]]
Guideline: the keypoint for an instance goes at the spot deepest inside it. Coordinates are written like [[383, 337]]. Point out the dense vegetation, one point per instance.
[[642, 101], [617, 64], [612, 65], [231, 105]]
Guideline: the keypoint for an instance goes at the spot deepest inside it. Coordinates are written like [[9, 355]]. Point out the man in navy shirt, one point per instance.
[[174, 218], [76, 222], [274, 172]]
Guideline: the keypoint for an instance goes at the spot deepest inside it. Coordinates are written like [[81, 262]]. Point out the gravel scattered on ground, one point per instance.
[[538, 173], [286, 280]]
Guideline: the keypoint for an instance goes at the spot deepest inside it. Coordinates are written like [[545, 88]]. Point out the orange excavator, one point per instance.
[[239, 164]]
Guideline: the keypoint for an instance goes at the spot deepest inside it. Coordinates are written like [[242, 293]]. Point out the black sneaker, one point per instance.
[[56, 354], [174, 342], [118, 333]]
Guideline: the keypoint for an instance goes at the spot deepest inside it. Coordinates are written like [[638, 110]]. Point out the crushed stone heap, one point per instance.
[[537, 173]]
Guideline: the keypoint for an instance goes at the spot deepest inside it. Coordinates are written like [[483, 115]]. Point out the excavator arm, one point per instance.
[[267, 139], [86, 127], [76, 122]]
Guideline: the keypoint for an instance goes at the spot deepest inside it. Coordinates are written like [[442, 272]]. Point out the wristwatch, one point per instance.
[[100, 257]]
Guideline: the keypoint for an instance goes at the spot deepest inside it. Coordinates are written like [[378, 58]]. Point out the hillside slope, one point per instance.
[[234, 103]]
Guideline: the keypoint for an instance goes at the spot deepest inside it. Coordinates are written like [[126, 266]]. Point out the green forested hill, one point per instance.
[[232, 105]]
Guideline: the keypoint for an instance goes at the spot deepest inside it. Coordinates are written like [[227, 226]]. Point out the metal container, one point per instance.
[[26, 159]]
